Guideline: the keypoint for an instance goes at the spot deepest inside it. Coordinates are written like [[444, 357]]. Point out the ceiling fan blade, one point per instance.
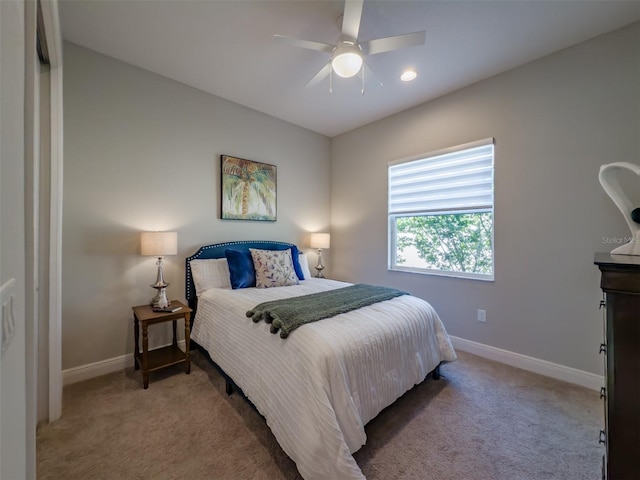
[[296, 42], [368, 73], [381, 45], [351, 18], [318, 77]]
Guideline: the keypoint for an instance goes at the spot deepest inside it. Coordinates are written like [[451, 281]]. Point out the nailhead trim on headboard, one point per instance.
[[216, 250]]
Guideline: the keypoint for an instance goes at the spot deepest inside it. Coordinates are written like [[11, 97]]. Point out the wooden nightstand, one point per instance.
[[165, 356]]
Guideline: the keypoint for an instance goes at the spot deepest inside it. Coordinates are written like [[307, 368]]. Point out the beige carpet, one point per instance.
[[482, 420]]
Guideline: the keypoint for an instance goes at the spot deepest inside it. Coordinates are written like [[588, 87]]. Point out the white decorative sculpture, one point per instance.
[[611, 184]]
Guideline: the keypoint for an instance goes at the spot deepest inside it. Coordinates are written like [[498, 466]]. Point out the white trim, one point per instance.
[[531, 364], [97, 369], [50, 16], [32, 230], [485, 277]]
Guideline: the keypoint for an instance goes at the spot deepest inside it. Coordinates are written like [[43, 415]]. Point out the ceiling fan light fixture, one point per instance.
[[347, 60], [347, 56]]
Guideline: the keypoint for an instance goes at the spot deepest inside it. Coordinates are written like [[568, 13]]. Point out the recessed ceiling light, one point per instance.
[[408, 75]]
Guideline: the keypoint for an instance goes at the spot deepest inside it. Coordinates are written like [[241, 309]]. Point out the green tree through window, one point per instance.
[[450, 242]]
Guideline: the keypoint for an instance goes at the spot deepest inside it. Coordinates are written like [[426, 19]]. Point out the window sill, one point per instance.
[[444, 273]]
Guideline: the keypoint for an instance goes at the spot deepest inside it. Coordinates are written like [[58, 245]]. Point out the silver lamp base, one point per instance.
[[160, 300], [320, 266]]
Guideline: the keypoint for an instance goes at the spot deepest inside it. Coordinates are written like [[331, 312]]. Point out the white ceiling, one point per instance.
[[226, 47]]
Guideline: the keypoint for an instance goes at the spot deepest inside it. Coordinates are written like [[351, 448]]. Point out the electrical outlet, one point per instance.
[[482, 316]]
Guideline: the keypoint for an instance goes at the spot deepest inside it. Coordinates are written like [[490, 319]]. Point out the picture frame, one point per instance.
[[248, 190]]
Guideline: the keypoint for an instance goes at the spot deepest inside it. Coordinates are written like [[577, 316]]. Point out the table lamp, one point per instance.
[[159, 244], [320, 241]]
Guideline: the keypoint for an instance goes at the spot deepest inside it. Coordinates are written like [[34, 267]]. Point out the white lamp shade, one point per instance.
[[159, 244], [347, 60], [320, 240]]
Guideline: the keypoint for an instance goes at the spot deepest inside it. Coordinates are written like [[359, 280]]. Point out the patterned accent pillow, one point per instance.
[[274, 268]]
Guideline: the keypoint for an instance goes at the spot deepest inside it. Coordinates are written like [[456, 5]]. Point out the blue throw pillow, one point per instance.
[[241, 271], [295, 256]]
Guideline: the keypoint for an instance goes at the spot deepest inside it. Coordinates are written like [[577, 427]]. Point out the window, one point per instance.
[[441, 212]]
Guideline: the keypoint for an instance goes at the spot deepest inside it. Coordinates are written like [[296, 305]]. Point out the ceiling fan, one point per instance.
[[347, 57]]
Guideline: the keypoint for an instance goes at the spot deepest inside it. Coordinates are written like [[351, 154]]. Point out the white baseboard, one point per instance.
[[91, 370], [531, 364]]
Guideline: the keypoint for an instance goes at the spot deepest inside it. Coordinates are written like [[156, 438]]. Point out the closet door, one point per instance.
[[13, 382]]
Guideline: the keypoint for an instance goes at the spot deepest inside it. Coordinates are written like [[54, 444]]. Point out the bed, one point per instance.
[[318, 387]]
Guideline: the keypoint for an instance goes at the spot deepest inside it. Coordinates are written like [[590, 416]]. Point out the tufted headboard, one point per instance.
[[216, 250]]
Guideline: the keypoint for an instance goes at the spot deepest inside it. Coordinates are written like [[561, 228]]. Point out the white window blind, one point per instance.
[[460, 180]]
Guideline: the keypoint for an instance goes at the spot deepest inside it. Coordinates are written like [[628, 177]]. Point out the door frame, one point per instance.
[[53, 34]]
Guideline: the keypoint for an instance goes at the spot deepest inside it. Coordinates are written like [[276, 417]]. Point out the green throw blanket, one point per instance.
[[288, 314]]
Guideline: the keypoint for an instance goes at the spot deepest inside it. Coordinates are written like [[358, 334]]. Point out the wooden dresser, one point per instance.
[[620, 283]]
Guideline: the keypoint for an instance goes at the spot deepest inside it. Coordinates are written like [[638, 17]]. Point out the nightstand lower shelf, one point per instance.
[[163, 357]]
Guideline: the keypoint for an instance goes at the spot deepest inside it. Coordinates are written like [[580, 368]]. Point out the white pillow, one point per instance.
[[304, 265], [274, 268], [211, 273]]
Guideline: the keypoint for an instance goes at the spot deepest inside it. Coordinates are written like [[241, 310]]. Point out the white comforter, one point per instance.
[[319, 387]]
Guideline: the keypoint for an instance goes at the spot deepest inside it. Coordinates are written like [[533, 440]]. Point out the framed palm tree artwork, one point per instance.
[[248, 190]]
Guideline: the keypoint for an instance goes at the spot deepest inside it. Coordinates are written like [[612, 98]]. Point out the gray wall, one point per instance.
[[555, 121], [142, 152]]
